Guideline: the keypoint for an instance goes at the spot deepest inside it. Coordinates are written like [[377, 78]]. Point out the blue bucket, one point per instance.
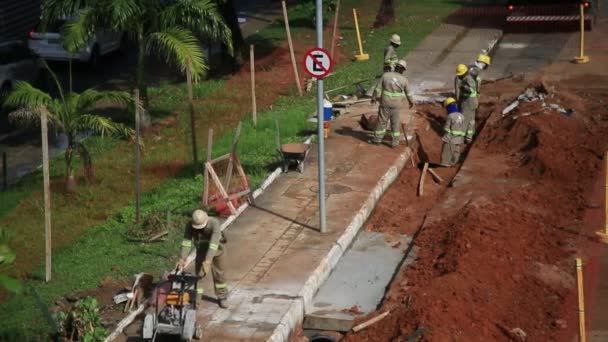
[[327, 110]]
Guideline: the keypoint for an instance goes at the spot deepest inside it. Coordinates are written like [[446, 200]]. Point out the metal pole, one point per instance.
[[320, 121]]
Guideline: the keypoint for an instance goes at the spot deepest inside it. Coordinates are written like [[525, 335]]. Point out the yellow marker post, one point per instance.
[[582, 59], [361, 56], [603, 235], [581, 301]]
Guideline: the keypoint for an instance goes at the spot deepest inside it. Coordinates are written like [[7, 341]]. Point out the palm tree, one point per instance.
[[171, 28], [70, 114]]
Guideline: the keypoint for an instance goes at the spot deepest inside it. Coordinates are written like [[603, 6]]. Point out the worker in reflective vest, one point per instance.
[[392, 89], [465, 89], [390, 53], [205, 234], [453, 134]]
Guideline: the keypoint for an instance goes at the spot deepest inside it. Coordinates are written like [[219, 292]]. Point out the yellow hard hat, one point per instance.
[[461, 69], [448, 101], [484, 58]]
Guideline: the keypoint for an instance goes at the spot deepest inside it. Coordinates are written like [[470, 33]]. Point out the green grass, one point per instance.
[[98, 215]]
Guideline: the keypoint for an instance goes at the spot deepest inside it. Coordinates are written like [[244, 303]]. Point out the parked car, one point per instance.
[[46, 43], [18, 63]]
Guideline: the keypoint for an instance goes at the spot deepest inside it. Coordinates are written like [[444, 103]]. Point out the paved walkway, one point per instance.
[[275, 255]]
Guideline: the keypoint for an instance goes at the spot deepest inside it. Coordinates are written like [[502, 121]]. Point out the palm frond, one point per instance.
[[122, 14], [25, 116], [77, 33], [199, 16], [181, 47], [26, 95], [90, 97], [103, 126]]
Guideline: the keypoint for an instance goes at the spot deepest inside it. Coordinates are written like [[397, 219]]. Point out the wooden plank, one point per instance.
[[422, 176], [47, 193], [370, 322], [333, 35], [435, 175], [293, 57], [220, 187], [254, 108]]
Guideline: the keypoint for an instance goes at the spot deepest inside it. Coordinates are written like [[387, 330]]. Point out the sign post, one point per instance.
[[318, 64]]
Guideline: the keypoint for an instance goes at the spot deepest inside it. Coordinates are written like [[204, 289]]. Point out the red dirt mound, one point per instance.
[[504, 262]]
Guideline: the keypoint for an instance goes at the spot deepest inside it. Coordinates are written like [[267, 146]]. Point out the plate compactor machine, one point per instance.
[[175, 309]]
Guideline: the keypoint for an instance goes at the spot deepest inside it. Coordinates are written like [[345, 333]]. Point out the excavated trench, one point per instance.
[[497, 239]]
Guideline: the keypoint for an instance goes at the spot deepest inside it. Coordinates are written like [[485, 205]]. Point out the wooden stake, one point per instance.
[[367, 323], [581, 301], [230, 167], [333, 35], [422, 176], [254, 108], [209, 152], [192, 119], [47, 193], [137, 160], [293, 57]]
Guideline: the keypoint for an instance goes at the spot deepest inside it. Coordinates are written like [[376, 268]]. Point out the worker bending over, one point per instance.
[[205, 234], [391, 90], [453, 134], [465, 89]]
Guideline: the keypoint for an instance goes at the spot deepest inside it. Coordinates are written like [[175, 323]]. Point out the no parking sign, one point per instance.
[[318, 63]]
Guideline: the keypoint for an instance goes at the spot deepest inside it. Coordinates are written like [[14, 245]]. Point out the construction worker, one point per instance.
[[390, 53], [465, 89], [476, 69], [454, 133], [391, 89], [204, 233]]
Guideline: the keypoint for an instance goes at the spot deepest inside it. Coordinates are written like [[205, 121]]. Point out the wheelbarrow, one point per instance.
[[294, 154]]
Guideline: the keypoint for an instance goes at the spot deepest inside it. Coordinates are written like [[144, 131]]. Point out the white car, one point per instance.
[[48, 44], [18, 63]]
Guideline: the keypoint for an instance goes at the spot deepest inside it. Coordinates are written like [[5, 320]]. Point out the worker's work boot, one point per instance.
[[374, 141], [395, 143], [222, 303]]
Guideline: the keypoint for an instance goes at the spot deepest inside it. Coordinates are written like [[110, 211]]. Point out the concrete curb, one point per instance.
[[267, 182], [295, 313]]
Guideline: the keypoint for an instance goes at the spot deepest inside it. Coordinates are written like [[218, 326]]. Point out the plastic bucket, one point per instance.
[[327, 110]]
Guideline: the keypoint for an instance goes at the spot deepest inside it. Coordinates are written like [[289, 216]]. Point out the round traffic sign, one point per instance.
[[318, 63]]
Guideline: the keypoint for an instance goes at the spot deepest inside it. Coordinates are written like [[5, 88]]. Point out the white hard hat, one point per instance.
[[395, 39], [199, 219], [402, 63]]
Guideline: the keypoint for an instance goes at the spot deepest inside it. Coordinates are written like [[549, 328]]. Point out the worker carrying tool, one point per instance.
[[465, 90], [391, 90], [390, 53], [453, 133], [204, 233], [477, 68]]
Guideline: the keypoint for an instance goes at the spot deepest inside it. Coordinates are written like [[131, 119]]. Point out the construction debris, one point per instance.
[[534, 94], [372, 321], [422, 176]]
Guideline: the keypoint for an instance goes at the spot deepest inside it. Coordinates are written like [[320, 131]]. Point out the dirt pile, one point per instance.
[[502, 265]]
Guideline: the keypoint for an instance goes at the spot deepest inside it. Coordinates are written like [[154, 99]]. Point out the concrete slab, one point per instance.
[[358, 281]]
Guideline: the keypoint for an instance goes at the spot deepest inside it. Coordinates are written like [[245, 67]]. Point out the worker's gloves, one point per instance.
[[181, 264], [373, 101], [468, 140], [207, 267]]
